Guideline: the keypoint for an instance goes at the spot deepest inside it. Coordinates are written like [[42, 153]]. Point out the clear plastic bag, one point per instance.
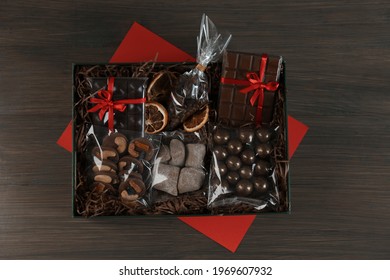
[[180, 167], [120, 164], [242, 167], [191, 92]]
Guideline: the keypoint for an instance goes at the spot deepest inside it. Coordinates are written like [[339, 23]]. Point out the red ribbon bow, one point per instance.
[[105, 103], [255, 83]]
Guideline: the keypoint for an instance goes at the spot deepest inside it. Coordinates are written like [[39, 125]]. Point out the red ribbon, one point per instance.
[[105, 103], [255, 83]]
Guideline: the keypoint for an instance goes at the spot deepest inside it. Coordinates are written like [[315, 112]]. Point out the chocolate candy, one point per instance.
[[117, 141], [166, 178], [102, 153], [131, 190], [141, 148], [105, 177], [164, 155], [233, 163], [220, 152], [105, 165], [131, 164], [232, 177], [262, 168], [244, 187], [221, 136], [264, 150], [234, 146], [246, 172], [190, 179], [263, 134], [195, 155], [261, 184], [178, 152], [248, 156], [222, 168], [246, 135]]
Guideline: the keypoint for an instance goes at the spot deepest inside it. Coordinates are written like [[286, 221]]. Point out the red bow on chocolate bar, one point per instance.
[[255, 83], [105, 103]]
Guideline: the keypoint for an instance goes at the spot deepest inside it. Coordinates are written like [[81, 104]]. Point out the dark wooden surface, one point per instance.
[[338, 66]]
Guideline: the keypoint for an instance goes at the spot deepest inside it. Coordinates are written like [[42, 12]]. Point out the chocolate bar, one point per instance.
[[124, 88], [234, 107]]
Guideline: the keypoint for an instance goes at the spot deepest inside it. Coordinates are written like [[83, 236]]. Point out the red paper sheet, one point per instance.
[[140, 44]]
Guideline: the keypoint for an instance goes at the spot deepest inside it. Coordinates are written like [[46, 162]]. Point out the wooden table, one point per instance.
[[338, 66]]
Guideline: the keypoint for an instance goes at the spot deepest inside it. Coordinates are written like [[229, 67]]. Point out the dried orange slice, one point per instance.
[[161, 86], [156, 117], [197, 120]]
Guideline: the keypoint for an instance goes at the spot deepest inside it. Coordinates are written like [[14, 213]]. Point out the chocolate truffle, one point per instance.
[[261, 185], [166, 177], [232, 177], [248, 156], [178, 153], [263, 134], [117, 141], [190, 179], [195, 155], [164, 154], [220, 152], [246, 135], [234, 146], [233, 163], [221, 136], [244, 187], [246, 172], [262, 168], [263, 150]]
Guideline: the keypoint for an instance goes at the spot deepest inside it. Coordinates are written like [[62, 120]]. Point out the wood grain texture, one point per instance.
[[338, 66]]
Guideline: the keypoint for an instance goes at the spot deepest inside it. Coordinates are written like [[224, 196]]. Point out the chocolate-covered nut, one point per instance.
[[166, 178], [262, 168], [233, 163], [102, 153], [246, 135], [220, 152], [131, 189], [248, 156], [105, 177], [246, 172], [232, 177], [195, 155], [224, 186], [234, 146], [244, 187], [164, 154], [131, 164], [141, 148], [105, 165], [222, 168], [117, 141], [100, 187], [221, 136], [263, 134], [178, 152], [264, 150], [190, 179], [261, 184]]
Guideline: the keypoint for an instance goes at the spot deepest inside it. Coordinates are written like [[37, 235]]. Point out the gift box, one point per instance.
[[248, 88]]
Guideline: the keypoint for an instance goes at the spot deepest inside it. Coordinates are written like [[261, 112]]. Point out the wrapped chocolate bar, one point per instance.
[[243, 168], [191, 93], [117, 102], [247, 89]]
